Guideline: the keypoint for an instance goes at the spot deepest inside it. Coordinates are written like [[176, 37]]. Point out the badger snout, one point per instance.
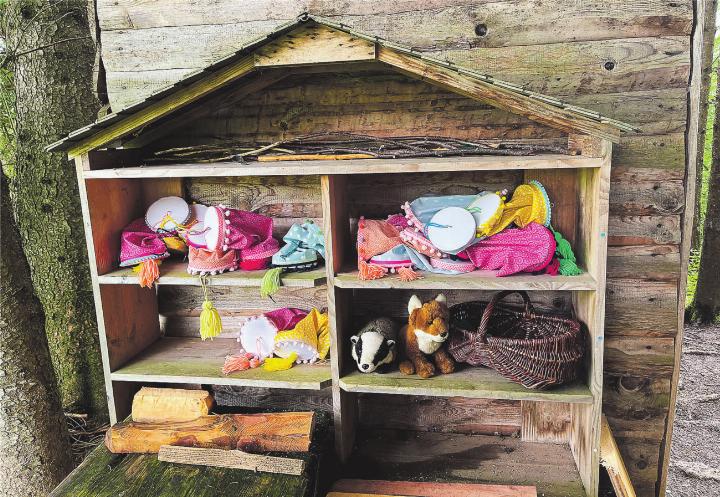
[[365, 367]]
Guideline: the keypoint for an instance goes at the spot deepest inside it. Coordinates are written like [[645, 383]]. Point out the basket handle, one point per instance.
[[482, 328]]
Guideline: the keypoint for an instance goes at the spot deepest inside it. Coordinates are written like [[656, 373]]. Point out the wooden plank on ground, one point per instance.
[[235, 459], [284, 432], [358, 488]]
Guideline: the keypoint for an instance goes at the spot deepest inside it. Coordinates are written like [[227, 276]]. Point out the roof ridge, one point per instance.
[[306, 17]]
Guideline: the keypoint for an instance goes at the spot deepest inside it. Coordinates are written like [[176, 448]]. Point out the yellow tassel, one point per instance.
[[210, 322], [280, 363]]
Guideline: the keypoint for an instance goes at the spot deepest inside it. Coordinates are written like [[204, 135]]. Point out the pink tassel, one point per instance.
[[241, 362], [407, 274]]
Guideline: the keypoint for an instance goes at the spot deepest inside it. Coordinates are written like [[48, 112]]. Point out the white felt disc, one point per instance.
[[485, 206], [166, 213], [305, 353], [196, 233], [451, 229], [214, 228], [257, 336]]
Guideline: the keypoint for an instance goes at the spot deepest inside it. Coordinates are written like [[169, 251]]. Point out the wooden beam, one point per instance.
[[496, 96], [314, 44], [612, 460], [163, 107], [267, 432], [358, 488], [234, 459]]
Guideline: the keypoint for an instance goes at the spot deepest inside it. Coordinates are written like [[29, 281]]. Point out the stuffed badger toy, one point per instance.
[[424, 337], [374, 346]]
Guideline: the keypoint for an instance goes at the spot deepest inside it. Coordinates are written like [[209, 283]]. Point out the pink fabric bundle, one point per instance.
[[513, 251], [138, 243], [258, 256], [238, 229]]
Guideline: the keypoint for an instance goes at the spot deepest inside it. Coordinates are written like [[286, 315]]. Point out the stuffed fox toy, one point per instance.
[[424, 337]]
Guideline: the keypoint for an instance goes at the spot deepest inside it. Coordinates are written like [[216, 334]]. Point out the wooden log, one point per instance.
[[157, 405], [362, 488], [275, 158], [286, 432], [235, 459], [612, 460]]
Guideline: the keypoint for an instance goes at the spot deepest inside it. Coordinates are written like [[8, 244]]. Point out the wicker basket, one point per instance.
[[534, 349]]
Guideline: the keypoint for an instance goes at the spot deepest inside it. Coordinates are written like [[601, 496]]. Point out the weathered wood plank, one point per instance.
[[545, 422], [612, 460], [440, 414], [448, 21], [314, 44], [233, 459], [468, 382], [636, 406], [651, 262], [193, 361], [103, 474], [641, 356], [644, 230], [640, 308], [368, 488], [273, 398]]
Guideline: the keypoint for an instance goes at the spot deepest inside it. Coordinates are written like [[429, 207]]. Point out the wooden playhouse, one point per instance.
[[386, 422]]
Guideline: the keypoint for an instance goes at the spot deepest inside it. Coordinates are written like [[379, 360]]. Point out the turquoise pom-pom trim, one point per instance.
[[548, 207]]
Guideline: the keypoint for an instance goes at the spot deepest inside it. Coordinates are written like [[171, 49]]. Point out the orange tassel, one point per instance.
[[148, 273], [407, 274], [370, 271]]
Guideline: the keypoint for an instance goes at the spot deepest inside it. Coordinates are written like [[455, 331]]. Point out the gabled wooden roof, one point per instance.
[[314, 40]]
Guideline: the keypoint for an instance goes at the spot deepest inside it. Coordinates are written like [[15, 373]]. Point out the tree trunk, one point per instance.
[[54, 94], [707, 56], [707, 295], [34, 446]]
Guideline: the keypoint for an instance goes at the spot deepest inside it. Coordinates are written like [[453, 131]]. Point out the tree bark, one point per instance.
[[707, 56], [34, 446], [707, 295], [54, 95]]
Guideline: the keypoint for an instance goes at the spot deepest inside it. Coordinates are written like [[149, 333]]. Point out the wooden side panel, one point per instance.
[[562, 189], [131, 321], [314, 44], [112, 204]]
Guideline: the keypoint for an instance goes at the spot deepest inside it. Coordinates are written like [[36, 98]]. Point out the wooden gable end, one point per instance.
[[314, 44]]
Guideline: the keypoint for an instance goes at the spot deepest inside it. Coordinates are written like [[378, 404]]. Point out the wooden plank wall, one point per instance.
[[630, 60]]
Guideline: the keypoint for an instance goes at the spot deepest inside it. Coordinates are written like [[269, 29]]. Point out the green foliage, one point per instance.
[[694, 264]]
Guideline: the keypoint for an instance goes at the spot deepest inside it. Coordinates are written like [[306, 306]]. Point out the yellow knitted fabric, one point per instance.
[[528, 204]]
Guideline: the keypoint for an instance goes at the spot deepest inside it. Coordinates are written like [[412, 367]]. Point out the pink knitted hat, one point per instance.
[[201, 261], [235, 229], [513, 251], [138, 243], [375, 237]]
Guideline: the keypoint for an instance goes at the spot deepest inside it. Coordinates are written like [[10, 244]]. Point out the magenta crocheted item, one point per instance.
[[513, 251], [201, 261], [138, 243], [286, 318], [416, 239], [398, 220], [235, 229]]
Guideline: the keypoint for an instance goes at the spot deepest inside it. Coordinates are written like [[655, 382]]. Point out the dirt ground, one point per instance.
[[694, 456]]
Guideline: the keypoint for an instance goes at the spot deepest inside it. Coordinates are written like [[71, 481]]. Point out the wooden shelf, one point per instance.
[[175, 273], [191, 360], [477, 280], [451, 457], [353, 166], [470, 382]]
